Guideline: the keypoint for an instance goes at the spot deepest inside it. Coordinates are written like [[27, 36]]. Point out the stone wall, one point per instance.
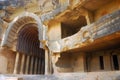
[[71, 62], [54, 31], [7, 60], [64, 63], [88, 62], [108, 62]]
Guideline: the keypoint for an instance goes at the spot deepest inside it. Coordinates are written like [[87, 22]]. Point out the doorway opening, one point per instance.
[[28, 44]]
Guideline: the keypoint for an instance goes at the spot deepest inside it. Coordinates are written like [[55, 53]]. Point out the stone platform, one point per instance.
[[109, 75]]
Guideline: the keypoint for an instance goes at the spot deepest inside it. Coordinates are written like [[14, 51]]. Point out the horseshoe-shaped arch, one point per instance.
[[14, 27]]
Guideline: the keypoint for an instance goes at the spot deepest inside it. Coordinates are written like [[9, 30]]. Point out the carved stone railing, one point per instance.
[[105, 26]]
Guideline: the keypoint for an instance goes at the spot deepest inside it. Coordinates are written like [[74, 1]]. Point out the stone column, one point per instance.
[[39, 66], [119, 59], [107, 62], [89, 17], [35, 70], [16, 63], [31, 66], [44, 59], [43, 66], [22, 63], [79, 62], [50, 62], [46, 62], [27, 64]]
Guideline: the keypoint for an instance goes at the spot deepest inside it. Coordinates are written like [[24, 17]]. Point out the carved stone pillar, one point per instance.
[[27, 64], [16, 63], [89, 17], [39, 65], [31, 65], [46, 62], [22, 63], [50, 62], [43, 65], [35, 70]]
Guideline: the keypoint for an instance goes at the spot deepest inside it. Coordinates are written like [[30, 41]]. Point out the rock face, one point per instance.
[[70, 33]]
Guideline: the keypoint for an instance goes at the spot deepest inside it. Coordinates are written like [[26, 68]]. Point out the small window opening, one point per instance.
[[70, 27]]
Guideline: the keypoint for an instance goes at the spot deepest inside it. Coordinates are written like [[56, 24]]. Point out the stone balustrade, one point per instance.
[[105, 26]]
